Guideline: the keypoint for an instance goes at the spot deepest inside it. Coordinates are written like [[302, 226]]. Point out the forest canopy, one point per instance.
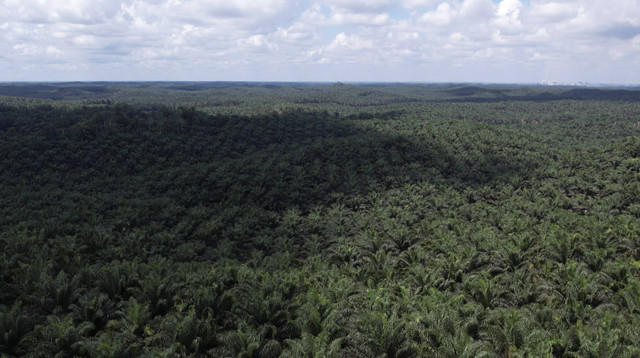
[[319, 220]]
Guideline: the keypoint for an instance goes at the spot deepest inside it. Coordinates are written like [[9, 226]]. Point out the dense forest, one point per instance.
[[319, 220]]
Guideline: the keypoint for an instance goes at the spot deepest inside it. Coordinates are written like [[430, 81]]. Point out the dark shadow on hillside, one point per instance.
[[537, 94], [274, 161], [104, 90], [176, 177], [55, 91]]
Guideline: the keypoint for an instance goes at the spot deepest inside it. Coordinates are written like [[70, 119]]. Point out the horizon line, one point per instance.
[[482, 83]]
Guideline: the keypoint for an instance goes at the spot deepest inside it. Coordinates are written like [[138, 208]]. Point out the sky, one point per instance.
[[487, 41]]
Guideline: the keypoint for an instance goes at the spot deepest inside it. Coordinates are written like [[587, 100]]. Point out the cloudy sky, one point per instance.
[[594, 41]]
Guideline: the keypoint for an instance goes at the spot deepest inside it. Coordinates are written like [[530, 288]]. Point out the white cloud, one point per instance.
[[415, 4], [72, 11], [52, 51], [477, 9], [344, 18], [85, 41], [468, 14], [540, 35], [258, 42], [553, 11], [238, 39], [350, 42], [359, 5], [508, 15], [443, 15], [29, 50]]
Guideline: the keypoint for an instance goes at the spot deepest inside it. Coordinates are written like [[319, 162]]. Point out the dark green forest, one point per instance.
[[319, 220]]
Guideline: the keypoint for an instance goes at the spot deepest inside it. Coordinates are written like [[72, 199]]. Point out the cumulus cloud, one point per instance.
[[359, 5], [350, 42], [477, 9], [370, 19], [553, 11], [72, 11], [288, 39], [416, 4], [508, 15], [258, 42], [443, 15]]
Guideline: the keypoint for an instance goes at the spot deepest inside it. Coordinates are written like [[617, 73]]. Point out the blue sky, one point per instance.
[[531, 41]]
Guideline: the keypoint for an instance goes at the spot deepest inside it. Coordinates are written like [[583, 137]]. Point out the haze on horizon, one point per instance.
[[329, 40]]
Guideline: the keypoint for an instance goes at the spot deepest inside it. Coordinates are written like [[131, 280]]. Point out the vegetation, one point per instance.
[[318, 220]]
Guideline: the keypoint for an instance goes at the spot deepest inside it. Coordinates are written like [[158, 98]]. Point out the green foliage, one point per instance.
[[14, 326], [267, 220], [61, 337]]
